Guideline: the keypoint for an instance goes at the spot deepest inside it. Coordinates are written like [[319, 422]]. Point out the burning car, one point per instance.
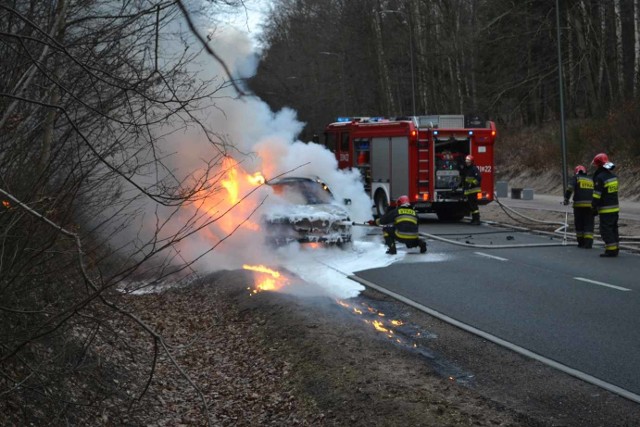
[[309, 214]]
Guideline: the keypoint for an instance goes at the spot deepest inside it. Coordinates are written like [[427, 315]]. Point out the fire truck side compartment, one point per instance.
[[380, 159], [399, 166]]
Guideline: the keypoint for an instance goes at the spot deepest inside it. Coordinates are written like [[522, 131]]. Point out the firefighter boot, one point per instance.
[[588, 243], [423, 246], [392, 250], [610, 253], [475, 219], [581, 243]]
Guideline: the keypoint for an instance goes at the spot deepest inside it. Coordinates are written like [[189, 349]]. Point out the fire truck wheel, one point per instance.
[[449, 215], [381, 203]]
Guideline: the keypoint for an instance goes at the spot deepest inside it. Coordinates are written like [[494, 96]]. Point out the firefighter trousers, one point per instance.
[[388, 232], [609, 230], [472, 203], [583, 222]]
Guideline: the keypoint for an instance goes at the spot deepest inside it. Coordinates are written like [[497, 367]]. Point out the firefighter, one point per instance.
[[581, 186], [605, 203], [400, 224], [470, 181]]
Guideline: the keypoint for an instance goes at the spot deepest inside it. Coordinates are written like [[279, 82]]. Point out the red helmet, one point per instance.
[[469, 158], [579, 169], [403, 200], [600, 159]]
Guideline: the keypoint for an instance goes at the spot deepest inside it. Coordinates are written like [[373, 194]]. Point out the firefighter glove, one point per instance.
[[371, 222], [565, 202]]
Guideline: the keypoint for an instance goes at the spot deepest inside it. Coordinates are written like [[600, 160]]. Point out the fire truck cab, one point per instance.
[[420, 156]]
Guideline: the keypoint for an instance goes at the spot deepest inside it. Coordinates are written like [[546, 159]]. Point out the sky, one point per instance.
[[250, 18]]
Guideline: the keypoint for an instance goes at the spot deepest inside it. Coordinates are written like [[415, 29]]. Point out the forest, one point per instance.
[[494, 58]]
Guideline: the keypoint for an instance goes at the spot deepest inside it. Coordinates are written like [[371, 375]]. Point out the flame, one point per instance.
[[262, 269], [256, 179], [6, 204], [237, 183], [231, 182], [379, 326], [267, 279]]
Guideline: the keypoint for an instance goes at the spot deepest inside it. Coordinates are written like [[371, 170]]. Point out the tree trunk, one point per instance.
[[618, 43], [636, 62], [385, 81], [583, 31], [54, 97]]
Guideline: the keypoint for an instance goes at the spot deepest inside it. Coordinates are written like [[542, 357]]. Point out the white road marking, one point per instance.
[[595, 282], [491, 256]]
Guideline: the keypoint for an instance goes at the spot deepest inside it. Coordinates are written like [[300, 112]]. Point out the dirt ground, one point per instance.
[[274, 359]]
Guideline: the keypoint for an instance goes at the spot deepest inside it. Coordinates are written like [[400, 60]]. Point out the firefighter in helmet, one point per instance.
[[605, 203], [581, 187], [470, 181], [400, 224]]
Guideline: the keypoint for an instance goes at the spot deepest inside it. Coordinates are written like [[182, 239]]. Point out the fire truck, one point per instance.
[[420, 156]]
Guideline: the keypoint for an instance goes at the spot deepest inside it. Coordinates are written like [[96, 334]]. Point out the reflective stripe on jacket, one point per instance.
[[404, 220], [582, 188], [471, 179], [605, 191]]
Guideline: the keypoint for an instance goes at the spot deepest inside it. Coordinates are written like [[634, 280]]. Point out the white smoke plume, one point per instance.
[[266, 142]]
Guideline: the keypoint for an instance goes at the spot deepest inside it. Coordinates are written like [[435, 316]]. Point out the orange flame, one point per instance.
[[256, 179], [266, 279], [6, 204], [237, 183], [262, 269], [379, 325]]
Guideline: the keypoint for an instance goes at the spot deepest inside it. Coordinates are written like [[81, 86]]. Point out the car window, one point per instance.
[[303, 192]]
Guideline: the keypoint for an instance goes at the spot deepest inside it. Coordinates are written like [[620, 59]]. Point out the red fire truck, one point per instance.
[[419, 156]]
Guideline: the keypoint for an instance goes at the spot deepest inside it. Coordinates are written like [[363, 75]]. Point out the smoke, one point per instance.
[[260, 140]]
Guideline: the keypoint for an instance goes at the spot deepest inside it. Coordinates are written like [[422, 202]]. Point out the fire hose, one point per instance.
[[470, 245]]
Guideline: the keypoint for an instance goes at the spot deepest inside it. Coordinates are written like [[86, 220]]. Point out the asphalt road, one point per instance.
[[564, 304]]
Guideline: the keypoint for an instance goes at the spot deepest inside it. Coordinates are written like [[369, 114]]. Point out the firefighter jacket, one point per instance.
[[470, 179], [581, 186], [404, 220], [605, 191]]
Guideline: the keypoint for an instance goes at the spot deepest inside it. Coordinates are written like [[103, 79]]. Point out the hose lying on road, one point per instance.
[[564, 226], [473, 245]]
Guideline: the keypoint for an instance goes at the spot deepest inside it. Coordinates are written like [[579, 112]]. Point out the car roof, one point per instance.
[[292, 179]]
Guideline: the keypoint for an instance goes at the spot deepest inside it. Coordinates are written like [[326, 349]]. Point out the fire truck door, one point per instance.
[[380, 159], [399, 167], [343, 152]]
